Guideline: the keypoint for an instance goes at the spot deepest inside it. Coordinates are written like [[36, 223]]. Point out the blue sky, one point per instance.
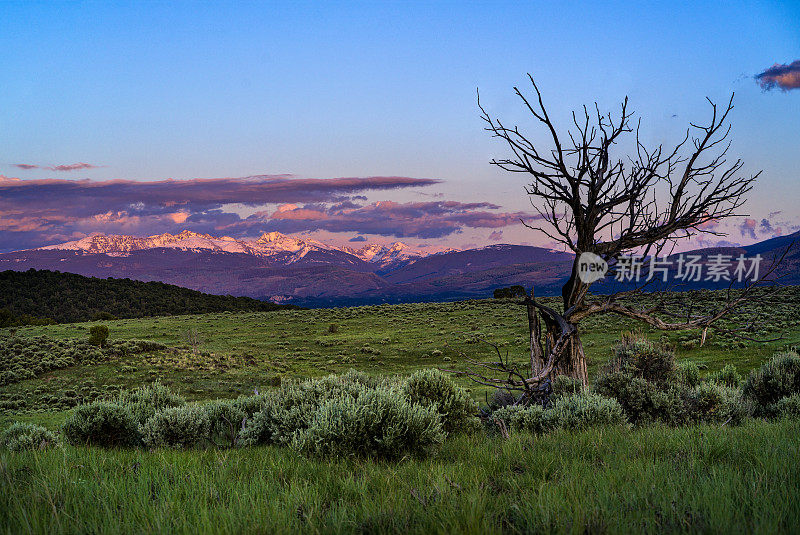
[[149, 91]]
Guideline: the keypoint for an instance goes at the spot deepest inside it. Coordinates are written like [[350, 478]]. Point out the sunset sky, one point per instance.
[[360, 120]]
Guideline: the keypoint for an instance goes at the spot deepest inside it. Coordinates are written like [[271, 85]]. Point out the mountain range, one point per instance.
[[291, 269]]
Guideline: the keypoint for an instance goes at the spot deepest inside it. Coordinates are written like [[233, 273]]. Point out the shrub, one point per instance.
[[103, 424], [727, 376], [177, 427], [565, 386], [282, 413], [633, 393], [581, 411], [432, 388], [788, 407], [333, 328], [714, 403], [533, 418], [501, 398], [98, 334], [145, 401], [226, 420], [687, 373], [637, 355], [776, 379], [380, 423], [27, 436]]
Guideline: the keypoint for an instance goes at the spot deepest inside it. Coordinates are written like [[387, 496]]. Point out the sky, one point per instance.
[[359, 121]]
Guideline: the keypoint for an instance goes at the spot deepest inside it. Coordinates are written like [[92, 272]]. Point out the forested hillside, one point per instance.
[[34, 296]]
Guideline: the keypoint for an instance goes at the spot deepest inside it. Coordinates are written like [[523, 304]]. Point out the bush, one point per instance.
[[381, 423], [177, 427], [788, 407], [103, 424], [687, 373], [581, 411], [501, 398], [727, 376], [98, 334], [333, 328], [565, 386], [226, 419], [714, 403], [432, 388], [776, 379], [533, 418], [144, 402], [26, 436], [633, 394], [637, 355]]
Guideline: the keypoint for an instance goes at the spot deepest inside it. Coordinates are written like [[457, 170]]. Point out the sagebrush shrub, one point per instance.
[[380, 423], [26, 436], [178, 427], [788, 407], [532, 418], [727, 376], [714, 403], [687, 373], [637, 355], [565, 386], [434, 389], [145, 401], [644, 402], [226, 419], [581, 411], [102, 424], [774, 380], [501, 398], [287, 410]]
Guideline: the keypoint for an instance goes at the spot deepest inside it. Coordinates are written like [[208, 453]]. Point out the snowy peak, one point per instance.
[[278, 247]]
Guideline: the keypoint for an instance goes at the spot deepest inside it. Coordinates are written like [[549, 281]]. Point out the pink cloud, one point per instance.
[[780, 75], [32, 212]]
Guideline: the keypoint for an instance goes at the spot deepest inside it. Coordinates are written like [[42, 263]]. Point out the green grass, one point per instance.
[[654, 480], [242, 351]]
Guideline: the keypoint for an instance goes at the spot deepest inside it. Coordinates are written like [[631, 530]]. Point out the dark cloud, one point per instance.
[[748, 228], [385, 218], [783, 76], [39, 212], [26, 166], [73, 167], [357, 239], [496, 235]]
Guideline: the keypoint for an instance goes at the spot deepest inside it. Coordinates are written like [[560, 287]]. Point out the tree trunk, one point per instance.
[[573, 362], [573, 359]]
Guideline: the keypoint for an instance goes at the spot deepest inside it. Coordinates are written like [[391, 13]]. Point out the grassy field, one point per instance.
[[239, 352], [615, 480], [651, 480]]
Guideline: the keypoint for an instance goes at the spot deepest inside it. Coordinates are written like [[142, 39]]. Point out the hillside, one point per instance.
[[66, 297]]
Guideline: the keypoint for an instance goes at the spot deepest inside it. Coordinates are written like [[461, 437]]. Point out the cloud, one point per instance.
[[74, 167], [68, 167], [422, 220], [783, 76], [357, 239], [39, 212], [748, 228], [496, 235]]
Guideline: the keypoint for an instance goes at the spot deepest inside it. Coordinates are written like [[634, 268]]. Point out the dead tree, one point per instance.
[[589, 200]]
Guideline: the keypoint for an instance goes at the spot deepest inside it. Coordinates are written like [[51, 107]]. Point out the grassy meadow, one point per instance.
[[700, 478]]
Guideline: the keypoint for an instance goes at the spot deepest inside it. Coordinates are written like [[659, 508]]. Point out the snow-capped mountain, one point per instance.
[[279, 247]]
